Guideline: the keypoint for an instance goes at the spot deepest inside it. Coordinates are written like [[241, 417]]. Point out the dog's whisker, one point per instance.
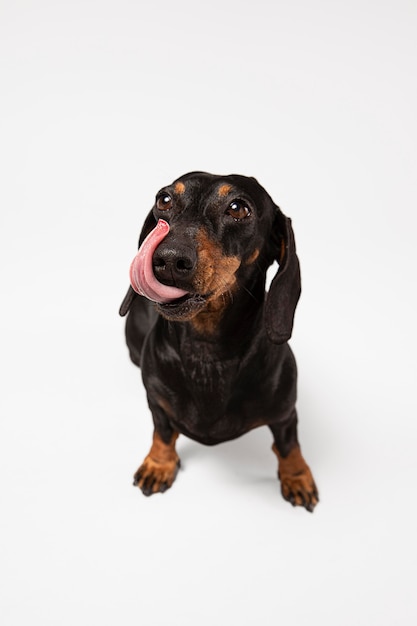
[[250, 293], [221, 287], [228, 293]]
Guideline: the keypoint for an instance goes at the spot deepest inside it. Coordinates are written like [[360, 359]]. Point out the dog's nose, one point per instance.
[[171, 264]]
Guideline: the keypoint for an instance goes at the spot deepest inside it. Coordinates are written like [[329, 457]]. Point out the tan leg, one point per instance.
[[297, 482], [159, 469]]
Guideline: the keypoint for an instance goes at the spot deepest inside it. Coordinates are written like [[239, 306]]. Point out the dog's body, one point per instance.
[[212, 349]]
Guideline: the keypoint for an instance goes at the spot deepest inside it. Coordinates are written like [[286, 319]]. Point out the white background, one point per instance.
[[103, 102]]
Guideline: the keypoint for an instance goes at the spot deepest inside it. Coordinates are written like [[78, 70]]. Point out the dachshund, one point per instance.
[[211, 344]]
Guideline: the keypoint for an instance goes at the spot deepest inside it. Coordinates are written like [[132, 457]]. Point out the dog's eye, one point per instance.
[[164, 202], [238, 210]]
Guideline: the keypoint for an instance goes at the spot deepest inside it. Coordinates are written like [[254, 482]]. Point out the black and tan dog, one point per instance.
[[211, 345]]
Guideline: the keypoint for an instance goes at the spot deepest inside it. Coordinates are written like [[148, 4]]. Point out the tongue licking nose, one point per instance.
[[142, 277]]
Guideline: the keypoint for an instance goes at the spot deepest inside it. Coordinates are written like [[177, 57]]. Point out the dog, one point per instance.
[[211, 344]]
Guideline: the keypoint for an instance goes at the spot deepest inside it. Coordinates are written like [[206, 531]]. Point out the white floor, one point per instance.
[[81, 545], [105, 103]]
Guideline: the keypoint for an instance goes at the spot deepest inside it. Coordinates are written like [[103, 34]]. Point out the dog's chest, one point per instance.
[[217, 400], [209, 376], [212, 391]]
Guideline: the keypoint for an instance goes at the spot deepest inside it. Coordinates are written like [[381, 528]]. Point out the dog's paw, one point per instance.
[[154, 477], [297, 482], [299, 488]]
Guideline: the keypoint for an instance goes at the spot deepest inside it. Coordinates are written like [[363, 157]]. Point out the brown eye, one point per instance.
[[238, 210], [164, 202]]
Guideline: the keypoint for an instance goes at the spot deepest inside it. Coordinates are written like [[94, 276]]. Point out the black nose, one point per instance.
[[171, 264]]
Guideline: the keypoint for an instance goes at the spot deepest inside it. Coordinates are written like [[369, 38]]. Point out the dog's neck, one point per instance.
[[230, 320]]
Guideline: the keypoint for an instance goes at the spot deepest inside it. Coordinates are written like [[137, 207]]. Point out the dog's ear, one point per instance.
[[285, 288], [149, 224], [127, 301]]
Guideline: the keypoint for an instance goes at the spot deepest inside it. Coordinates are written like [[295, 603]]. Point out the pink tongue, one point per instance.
[[142, 278]]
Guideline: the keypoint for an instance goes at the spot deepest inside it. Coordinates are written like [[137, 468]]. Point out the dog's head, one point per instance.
[[206, 239]]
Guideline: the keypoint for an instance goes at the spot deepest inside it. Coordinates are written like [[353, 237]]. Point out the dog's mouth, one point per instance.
[[172, 302], [142, 277], [184, 308]]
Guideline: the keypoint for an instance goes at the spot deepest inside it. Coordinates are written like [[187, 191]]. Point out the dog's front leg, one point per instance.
[[160, 467], [297, 482]]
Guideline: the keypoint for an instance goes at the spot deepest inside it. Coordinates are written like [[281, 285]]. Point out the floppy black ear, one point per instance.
[[285, 288], [149, 224]]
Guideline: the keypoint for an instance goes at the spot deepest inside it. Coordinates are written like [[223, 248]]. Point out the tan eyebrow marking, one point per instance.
[[179, 188], [224, 190]]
